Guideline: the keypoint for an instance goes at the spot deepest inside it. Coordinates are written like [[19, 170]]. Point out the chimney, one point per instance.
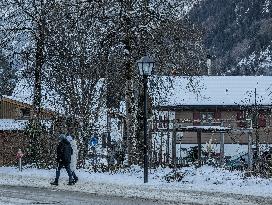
[[209, 64]]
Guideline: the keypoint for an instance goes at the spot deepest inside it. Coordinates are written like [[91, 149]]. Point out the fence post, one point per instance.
[[174, 145], [249, 134], [199, 146], [222, 144]]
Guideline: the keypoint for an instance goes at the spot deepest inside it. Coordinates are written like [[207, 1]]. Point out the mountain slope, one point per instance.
[[237, 33]]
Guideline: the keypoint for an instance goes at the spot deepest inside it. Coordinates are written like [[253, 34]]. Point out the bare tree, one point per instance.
[[154, 28], [24, 28], [74, 44], [74, 67]]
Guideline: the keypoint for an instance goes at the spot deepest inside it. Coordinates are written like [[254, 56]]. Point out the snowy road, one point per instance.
[[15, 195], [11, 195]]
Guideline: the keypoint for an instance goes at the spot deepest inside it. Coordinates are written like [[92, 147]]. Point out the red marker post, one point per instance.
[[19, 156]]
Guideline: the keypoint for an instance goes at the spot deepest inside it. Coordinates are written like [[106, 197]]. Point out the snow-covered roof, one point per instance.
[[207, 128], [23, 92], [215, 90], [10, 124]]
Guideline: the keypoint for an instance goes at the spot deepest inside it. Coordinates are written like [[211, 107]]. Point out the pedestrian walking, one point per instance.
[[64, 152], [74, 156]]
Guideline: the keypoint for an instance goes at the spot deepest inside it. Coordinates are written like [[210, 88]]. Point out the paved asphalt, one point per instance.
[[12, 195], [18, 195]]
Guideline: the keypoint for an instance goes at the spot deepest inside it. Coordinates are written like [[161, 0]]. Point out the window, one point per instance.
[[104, 140], [119, 125], [160, 122], [25, 112], [241, 119], [196, 116], [262, 119], [163, 120], [206, 118], [179, 136]]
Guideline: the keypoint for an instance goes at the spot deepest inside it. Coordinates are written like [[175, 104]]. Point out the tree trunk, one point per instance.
[[35, 126], [131, 122]]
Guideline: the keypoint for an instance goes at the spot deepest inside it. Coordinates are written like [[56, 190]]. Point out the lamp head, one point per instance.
[[145, 65]]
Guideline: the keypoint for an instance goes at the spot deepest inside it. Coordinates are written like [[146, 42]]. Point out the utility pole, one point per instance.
[[222, 142], [249, 134], [199, 147], [174, 145], [255, 115]]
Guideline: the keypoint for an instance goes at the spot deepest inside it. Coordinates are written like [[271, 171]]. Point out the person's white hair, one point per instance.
[[69, 138]]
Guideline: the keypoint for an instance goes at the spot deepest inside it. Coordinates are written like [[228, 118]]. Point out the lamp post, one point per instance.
[[145, 65]]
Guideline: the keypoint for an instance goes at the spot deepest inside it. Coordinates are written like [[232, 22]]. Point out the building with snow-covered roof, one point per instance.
[[236, 103], [15, 112], [14, 118], [16, 108], [24, 93], [220, 91]]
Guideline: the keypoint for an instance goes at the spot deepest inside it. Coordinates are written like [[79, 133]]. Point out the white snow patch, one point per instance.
[[10, 124], [212, 90], [130, 183]]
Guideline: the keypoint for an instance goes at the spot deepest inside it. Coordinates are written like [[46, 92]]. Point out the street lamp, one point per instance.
[[145, 65]]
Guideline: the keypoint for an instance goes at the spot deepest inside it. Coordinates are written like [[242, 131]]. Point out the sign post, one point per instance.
[[93, 143], [19, 156]]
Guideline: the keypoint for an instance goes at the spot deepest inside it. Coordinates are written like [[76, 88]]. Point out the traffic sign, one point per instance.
[[93, 141]]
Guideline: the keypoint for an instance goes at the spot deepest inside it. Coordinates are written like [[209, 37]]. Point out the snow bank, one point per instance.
[[129, 183]]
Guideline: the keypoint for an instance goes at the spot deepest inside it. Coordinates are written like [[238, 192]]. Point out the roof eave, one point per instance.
[[191, 107]]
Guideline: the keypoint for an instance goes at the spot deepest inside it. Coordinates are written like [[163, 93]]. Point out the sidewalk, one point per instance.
[[205, 183]]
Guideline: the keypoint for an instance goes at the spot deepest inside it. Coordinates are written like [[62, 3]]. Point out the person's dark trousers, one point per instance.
[[74, 177], [68, 170]]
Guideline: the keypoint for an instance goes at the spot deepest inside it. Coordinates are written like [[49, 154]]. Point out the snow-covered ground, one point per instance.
[[129, 183]]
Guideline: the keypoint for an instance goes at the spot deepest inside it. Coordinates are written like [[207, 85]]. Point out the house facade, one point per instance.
[[14, 109], [238, 121], [239, 105], [14, 118]]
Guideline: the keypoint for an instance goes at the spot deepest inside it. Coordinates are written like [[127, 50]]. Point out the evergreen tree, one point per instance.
[[234, 31]]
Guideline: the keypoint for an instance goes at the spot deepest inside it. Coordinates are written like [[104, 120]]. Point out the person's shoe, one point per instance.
[[71, 183], [54, 183], [76, 179]]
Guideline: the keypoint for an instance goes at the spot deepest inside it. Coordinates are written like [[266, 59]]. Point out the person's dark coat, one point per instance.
[[64, 152]]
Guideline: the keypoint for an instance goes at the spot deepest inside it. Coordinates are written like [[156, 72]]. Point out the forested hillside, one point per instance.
[[238, 35]]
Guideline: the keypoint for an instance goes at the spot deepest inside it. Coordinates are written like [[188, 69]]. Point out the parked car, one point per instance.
[[239, 161]]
